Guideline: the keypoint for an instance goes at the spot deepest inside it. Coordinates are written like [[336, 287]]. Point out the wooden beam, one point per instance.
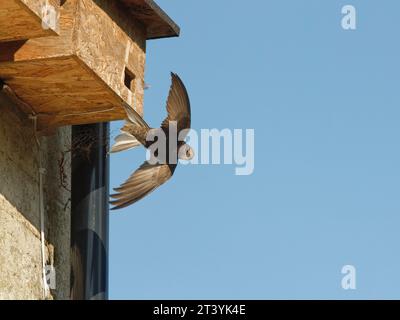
[[158, 24], [21, 20], [91, 69], [79, 76]]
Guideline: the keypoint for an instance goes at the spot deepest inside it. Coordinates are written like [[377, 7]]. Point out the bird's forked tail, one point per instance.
[[126, 140]]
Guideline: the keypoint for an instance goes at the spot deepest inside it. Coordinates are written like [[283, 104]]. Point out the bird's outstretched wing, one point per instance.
[[133, 133], [178, 105], [134, 118], [142, 182]]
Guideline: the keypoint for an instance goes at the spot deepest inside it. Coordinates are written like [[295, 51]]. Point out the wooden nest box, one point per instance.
[[78, 61]]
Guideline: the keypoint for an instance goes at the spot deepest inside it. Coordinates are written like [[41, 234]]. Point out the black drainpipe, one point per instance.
[[89, 212]]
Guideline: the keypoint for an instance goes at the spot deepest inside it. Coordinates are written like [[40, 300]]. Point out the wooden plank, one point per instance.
[[78, 76], [62, 92], [45, 47], [158, 24], [93, 66], [21, 19], [109, 47]]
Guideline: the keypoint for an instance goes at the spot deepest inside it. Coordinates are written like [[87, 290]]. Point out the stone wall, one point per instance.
[[20, 246]]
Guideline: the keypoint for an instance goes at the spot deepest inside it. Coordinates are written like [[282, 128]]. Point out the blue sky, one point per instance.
[[324, 104]]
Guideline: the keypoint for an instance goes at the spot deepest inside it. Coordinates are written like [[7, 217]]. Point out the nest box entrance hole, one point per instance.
[[129, 79]]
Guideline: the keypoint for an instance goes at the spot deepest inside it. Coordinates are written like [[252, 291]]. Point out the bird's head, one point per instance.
[[185, 152]]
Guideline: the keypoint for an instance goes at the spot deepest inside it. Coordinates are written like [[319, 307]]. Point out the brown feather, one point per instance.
[[141, 183], [149, 177], [178, 105]]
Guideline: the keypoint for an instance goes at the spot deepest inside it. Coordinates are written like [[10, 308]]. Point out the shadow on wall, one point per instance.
[[19, 172], [81, 267]]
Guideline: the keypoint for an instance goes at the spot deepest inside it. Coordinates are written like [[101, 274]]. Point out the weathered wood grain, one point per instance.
[[78, 76], [22, 19], [61, 92], [158, 24]]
